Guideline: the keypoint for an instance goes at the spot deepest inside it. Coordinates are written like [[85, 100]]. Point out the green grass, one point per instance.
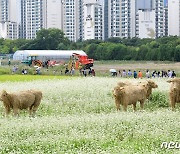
[[79, 116], [4, 71], [14, 78]]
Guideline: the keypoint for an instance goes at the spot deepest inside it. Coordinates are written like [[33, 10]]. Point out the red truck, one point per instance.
[[82, 60]]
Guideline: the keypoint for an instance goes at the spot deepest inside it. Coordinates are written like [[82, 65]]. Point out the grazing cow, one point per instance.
[[150, 85], [174, 93], [21, 100], [129, 95], [126, 91]]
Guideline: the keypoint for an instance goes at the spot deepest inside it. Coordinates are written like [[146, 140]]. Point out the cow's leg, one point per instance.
[[117, 105], [172, 101], [125, 107], [142, 104], [134, 106], [30, 110], [35, 107], [15, 111], [7, 111]]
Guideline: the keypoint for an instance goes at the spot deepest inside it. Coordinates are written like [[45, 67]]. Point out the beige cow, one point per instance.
[[129, 95], [174, 93], [21, 100]]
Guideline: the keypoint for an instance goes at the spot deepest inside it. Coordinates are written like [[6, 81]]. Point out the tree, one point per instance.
[[47, 39], [4, 49], [177, 54], [91, 49]]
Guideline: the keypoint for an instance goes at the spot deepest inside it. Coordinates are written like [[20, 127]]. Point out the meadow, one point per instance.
[[78, 115]]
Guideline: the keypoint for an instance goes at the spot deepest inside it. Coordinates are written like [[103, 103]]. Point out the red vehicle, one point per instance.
[[81, 60]]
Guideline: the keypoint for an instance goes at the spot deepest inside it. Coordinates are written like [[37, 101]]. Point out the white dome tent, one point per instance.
[[44, 55]]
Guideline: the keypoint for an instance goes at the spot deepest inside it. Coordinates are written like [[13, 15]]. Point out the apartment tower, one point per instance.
[[93, 20], [32, 16], [174, 17]]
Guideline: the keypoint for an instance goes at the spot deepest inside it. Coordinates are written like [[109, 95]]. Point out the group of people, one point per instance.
[[71, 72], [91, 72], [24, 71], [82, 72], [147, 74]]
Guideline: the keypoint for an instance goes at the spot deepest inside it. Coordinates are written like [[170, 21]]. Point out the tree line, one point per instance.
[[160, 49]]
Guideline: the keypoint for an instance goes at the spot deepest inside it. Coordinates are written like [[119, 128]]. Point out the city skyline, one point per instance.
[[90, 19]]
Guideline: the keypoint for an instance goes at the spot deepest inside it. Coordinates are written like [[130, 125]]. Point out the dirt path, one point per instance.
[[138, 66]]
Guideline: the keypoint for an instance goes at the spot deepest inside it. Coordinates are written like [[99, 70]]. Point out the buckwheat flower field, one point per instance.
[[78, 115]]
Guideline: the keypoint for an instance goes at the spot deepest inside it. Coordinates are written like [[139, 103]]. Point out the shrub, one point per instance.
[[4, 70], [158, 99]]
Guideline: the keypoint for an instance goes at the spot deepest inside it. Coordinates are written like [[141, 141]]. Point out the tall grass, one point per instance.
[[79, 116]]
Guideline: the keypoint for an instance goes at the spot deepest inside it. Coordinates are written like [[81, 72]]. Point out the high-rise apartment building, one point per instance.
[[53, 17], [93, 20], [9, 19], [144, 5], [174, 17], [9, 30], [145, 24], [4, 10], [159, 16], [106, 23], [114, 18], [128, 18], [90, 19], [32, 16], [165, 19], [121, 18], [71, 19]]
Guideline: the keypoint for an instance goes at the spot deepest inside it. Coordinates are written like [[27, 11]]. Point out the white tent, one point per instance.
[[46, 54]]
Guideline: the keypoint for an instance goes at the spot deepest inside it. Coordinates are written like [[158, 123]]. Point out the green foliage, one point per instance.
[[48, 39], [177, 53], [160, 49], [166, 48], [157, 100], [25, 78], [4, 71]]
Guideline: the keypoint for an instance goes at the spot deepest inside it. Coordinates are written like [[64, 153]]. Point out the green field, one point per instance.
[[78, 115], [25, 78]]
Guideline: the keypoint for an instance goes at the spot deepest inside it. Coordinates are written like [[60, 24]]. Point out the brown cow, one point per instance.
[[174, 93], [21, 100], [149, 84], [129, 95]]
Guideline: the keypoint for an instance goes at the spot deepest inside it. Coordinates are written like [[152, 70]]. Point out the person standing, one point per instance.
[[72, 71], [66, 70], [135, 74], [14, 69], [140, 75], [9, 62], [169, 74], [93, 72], [84, 72], [124, 73], [25, 71], [147, 74], [173, 74], [129, 73]]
